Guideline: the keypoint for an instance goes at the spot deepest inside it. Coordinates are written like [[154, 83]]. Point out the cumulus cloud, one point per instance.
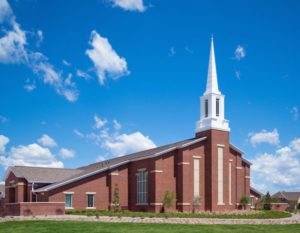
[[116, 143], [3, 141], [66, 153], [295, 113], [279, 170], [30, 155], [129, 5], [264, 137], [107, 63], [13, 50], [239, 52], [47, 141]]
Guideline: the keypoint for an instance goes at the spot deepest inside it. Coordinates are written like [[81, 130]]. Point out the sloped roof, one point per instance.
[[256, 191], [43, 174], [115, 162], [290, 196]]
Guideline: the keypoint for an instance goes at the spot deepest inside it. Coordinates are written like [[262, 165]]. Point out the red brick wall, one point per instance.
[[280, 206]]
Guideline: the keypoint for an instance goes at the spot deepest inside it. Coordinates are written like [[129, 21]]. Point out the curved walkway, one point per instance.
[[295, 219]]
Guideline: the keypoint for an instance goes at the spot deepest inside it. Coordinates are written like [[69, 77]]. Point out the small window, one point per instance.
[[217, 107], [90, 200], [68, 200], [206, 108]]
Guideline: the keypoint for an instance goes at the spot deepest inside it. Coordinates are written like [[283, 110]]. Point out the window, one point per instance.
[[217, 107], [142, 187], [90, 200], [251, 201], [68, 200], [206, 108]]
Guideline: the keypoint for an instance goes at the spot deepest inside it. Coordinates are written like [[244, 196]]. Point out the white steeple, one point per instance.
[[212, 101], [212, 79]]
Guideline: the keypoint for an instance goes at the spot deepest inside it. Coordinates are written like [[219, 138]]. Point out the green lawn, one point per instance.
[[254, 215], [91, 227]]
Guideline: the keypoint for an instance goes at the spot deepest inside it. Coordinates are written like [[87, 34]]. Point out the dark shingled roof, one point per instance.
[[102, 166], [43, 174], [289, 196]]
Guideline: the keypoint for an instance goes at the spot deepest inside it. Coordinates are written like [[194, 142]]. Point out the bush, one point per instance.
[[244, 201], [116, 199], [267, 200], [169, 199]]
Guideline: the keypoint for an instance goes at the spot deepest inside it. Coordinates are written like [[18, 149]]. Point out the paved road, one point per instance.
[[295, 219]]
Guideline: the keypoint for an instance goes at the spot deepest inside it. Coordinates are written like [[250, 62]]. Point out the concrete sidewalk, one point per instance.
[[295, 219]]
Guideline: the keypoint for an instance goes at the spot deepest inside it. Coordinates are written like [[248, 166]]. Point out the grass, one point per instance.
[[92, 227], [254, 215]]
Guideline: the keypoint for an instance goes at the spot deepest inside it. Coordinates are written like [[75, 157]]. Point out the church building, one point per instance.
[[205, 171]]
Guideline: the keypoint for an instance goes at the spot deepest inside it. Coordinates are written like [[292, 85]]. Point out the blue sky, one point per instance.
[[85, 82]]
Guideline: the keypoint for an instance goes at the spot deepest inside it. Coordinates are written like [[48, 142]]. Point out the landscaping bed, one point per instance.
[[253, 214]]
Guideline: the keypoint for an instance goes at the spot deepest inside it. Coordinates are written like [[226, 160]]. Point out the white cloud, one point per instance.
[[279, 170], [238, 74], [13, 50], [187, 49], [295, 113], [83, 74], [66, 63], [47, 141], [106, 61], [129, 5], [66, 153], [116, 144], [30, 155], [99, 123], [30, 85], [264, 137], [117, 125], [40, 37], [3, 119], [239, 52], [100, 158], [123, 144], [3, 141]]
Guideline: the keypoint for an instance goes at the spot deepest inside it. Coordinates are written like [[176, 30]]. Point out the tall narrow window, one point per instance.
[[196, 179], [217, 107], [142, 187], [68, 200], [220, 176], [90, 200], [206, 108], [229, 182]]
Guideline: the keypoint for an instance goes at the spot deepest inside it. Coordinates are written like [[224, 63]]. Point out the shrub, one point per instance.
[[169, 199], [196, 203], [116, 199], [244, 201], [267, 200]]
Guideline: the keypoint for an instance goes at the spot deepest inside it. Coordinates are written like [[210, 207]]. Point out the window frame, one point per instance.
[[87, 199], [71, 200], [142, 187]]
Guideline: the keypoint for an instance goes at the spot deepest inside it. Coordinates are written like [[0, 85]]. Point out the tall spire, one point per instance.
[[212, 80]]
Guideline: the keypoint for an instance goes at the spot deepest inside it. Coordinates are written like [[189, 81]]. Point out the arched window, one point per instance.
[[217, 107], [206, 108]]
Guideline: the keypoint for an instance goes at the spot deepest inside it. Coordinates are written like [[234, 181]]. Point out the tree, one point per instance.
[[168, 200], [267, 200], [244, 201], [116, 199]]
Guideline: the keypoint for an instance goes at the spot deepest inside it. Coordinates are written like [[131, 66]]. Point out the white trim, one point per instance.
[[220, 175], [237, 149], [230, 182], [22, 202], [114, 174], [141, 169], [220, 145], [183, 203], [196, 157], [165, 151], [230, 160], [239, 168], [247, 177], [183, 163], [156, 171], [69, 208], [221, 204], [68, 192], [140, 204], [156, 203], [90, 208], [192, 142], [90, 193]]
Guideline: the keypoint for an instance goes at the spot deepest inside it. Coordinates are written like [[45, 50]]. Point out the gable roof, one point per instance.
[[290, 196], [256, 191], [96, 168], [42, 174]]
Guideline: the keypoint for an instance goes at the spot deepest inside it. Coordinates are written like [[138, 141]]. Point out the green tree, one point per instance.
[[168, 200], [116, 199], [267, 200]]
